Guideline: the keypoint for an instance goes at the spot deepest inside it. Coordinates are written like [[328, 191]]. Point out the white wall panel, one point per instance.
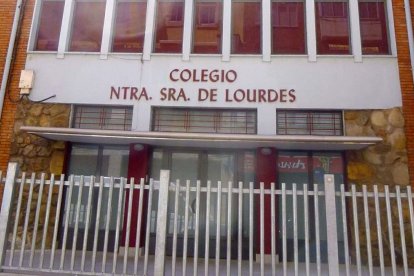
[[331, 82]]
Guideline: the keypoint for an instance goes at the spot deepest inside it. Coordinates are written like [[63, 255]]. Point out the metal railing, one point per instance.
[[88, 227]]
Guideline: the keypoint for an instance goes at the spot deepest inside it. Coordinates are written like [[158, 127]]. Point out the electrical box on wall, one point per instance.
[[26, 81]]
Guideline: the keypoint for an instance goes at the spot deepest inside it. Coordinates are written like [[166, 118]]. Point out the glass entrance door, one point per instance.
[[195, 165]]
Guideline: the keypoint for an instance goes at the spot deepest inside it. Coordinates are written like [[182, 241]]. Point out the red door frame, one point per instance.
[[266, 172], [137, 168]]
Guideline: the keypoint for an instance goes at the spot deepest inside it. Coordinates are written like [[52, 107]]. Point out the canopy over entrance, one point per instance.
[[178, 139]]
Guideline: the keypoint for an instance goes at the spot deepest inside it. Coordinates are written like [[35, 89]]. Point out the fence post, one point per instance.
[[159, 264], [331, 231], [6, 207]]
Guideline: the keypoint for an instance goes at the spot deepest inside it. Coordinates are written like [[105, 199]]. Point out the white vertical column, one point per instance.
[[391, 29], [35, 25], [149, 30], [6, 208], [226, 37], [266, 120], [266, 29], [162, 217], [66, 25], [310, 29], [331, 228], [355, 30], [188, 28], [108, 28], [141, 119]]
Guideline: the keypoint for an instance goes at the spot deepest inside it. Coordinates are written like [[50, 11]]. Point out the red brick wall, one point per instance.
[[406, 78], [7, 11]]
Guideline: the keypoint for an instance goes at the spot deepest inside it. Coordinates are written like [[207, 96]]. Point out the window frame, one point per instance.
[[114, 25], [72, 26], [337, 123], [217, 123], [102, 121], [34, 30], [388, 30]]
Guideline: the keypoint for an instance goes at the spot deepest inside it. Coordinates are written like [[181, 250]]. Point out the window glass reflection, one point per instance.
[[50, 22], [288, 28], [88, 19], [373, 22], [129, 26], [332, 27], [169, 27], [207, 27], [246, 27]]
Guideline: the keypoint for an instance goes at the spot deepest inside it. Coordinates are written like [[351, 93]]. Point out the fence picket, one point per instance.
[[196, 234], [367, 229], [57, 219], [390, 230], [306, 222], [139, 224], [410, 206], [46, 223], [356, 229], [108, 220], [97, 221], [66, 225], [26, 220], [174, 257], [118, 224], [16, 221], [284, 234], [317, 233], [218, 235], [147, 231], [186, 209], [88, 217], [261, 228], [345, 229], [129, 218], [272, 223], [240, 230], [379, 229], [402, 232]]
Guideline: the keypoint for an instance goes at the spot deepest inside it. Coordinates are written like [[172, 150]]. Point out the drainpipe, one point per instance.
[[410, 33], [9, 56]]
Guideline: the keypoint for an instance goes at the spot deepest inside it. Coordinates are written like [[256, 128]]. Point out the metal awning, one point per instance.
[[204, 140]]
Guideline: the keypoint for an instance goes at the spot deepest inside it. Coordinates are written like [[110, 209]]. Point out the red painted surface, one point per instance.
[[137, 168], [265, 173]]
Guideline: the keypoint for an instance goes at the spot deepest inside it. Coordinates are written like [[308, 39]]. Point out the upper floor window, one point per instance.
[[169, 26], [204, 120], [207, 27], [288, 27], [373, 22], [129, 29], [309, 122], [50, 22], [102, 117], [87, 26], [246, 26], [332, 27]]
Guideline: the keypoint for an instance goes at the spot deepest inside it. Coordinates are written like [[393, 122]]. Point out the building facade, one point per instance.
[[262, 91]]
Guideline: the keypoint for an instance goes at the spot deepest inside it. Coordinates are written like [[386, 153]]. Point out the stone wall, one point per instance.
[[33, 153], [383, 164], [39, 155]]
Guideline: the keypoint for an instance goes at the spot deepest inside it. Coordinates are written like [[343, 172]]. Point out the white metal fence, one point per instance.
[[89, 226]]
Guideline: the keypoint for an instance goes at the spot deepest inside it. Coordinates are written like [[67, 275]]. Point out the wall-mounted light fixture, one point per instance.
[[138, 147], [266, 151]]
